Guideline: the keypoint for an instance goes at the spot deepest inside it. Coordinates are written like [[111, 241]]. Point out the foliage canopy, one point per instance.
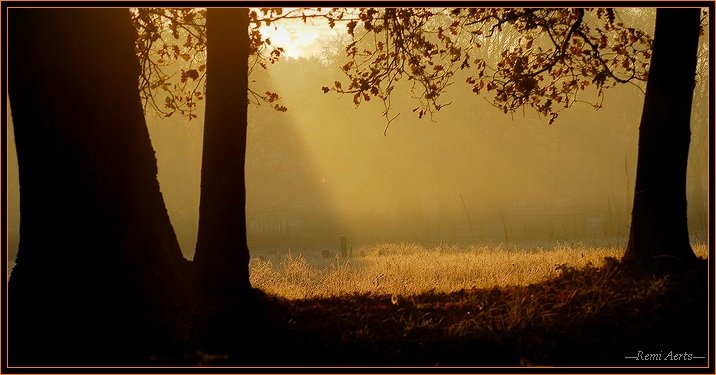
[[543, 58], [171, 46], [540, 58]]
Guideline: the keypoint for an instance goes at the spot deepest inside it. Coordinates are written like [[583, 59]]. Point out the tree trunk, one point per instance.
[[99, 272], [659, 232], [222, 254]]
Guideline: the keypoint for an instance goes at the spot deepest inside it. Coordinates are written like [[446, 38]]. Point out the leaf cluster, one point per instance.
[[389, 45], [555, 56], [171, 47]]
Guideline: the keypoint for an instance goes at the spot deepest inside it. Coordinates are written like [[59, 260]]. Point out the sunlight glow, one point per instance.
[[297, 41]]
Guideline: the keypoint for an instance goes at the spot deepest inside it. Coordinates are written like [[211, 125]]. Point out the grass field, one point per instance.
[[411, 269], [407, 305]]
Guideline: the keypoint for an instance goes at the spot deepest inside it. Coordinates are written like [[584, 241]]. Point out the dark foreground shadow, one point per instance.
[[595, 317]]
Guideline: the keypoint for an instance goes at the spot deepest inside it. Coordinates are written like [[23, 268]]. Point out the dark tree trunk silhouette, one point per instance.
[[659, 232], [222, 254], [99, 272]]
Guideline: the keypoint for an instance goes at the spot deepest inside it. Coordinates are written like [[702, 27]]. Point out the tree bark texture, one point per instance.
[[222, 254], [99, 268], [659, 230]]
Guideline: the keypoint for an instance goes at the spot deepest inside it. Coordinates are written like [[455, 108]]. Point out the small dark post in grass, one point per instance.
[[344, 246], [504, 226]]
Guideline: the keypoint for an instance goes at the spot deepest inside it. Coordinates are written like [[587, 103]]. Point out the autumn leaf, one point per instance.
[[191, 73], [529, 43], [351, 26], [271, 96]]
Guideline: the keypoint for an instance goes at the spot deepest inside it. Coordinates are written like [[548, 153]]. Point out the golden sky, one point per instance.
[[300, 39]]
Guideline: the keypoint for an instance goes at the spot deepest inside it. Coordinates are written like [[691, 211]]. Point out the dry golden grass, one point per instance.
[[410, 269]]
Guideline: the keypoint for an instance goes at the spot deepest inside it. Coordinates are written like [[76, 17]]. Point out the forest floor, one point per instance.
[[593, 316]]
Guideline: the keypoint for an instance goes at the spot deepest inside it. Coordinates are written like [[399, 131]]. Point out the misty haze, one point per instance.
[[473, 175], [354, 203]]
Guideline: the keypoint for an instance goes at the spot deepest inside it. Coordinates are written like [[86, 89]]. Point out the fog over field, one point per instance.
[[471, 175]]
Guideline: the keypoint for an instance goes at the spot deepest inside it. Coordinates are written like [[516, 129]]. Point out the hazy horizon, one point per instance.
[[325, 168]]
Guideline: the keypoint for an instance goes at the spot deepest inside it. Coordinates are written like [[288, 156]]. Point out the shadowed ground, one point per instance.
[[593, 316]]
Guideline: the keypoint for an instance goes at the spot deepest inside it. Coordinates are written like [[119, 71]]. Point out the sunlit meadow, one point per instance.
[[407, 269]]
